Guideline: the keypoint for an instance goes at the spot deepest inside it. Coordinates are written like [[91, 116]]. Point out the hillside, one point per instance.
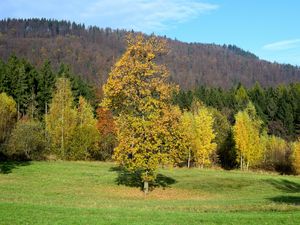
[[87, 193], [92, 51]]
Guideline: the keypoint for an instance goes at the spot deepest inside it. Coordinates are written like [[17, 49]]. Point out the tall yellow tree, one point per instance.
[[204, 145], [61, 120], [247, 137], [138, 94], [296, 151], [8, 113]]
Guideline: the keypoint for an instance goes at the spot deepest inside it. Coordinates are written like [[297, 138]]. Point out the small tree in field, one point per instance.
[[139, 97]]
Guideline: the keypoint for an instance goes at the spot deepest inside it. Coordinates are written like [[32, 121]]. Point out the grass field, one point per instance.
[[87, 193]]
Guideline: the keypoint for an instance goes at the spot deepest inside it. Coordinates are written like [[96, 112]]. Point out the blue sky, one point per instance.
[[268, 28]]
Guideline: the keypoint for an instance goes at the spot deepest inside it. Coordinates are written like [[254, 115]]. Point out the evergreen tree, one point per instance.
[[46, 84], [227, 153], [295, 91], [285, 112], [257, 96], [183, 99], [19, 85], [270, 103], [3, 77], [241, 97], [221, 129]]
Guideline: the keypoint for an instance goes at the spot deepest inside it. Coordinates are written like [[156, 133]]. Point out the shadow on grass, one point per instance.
[[293, 200], [284, 185], [133, 179], [8, 166]]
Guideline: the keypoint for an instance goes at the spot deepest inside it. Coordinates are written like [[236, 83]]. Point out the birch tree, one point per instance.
[[61, 120], [247, 137]]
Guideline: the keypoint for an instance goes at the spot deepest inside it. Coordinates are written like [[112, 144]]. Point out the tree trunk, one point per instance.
[[62, 147], [189, 159], [146, 187], [18, 108], [241, 163], [26, 151], [62, 135], [32, 103]]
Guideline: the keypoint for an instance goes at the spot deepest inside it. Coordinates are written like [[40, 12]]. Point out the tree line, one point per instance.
[[32, 87], [143, 121], [277, 107], [37, 100]]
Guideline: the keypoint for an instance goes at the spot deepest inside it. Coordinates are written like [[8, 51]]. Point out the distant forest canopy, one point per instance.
[[91, 52]]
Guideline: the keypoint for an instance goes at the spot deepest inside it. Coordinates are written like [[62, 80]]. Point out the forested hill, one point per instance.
[[91, 51]]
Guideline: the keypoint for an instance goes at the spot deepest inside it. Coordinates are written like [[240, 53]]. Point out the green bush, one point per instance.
[[28, 141]]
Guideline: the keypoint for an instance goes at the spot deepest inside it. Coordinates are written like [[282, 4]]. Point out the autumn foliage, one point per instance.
[[107, 129], [72, 130], [247, 137], [296, 148], [8, 113], [138, 94], [105, 122], [198, 128]]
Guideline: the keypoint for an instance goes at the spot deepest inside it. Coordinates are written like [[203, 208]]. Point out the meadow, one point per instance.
[[62, 192]]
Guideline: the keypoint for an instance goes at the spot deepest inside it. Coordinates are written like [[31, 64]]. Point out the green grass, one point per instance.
[[87, 193]]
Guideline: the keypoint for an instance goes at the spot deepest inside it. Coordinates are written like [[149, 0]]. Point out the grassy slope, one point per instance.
[[86, 193]]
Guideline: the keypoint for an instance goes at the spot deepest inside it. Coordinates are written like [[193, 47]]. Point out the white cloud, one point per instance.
[[144, 15], [140, 15], [283, 45]]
